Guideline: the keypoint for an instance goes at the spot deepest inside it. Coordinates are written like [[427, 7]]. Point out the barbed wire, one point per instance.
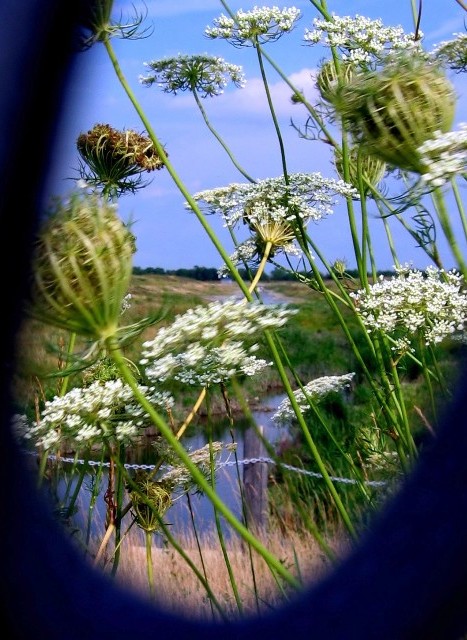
[[221, 464]]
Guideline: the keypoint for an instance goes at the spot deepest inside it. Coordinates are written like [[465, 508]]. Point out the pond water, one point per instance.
[[227, 477]]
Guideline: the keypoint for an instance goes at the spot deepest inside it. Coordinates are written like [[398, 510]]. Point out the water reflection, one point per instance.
[[91, 517]]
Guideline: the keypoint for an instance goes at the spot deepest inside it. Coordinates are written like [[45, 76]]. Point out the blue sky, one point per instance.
[[167, 235]]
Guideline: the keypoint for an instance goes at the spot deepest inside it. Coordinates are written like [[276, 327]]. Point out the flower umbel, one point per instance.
[[258, 26], [306, 197], [313, 391], [210, 344], [453, 53], [432, 305], [101, 413], [444, 156], [207, 75], [361, 41], [276, 211], [82, 267]]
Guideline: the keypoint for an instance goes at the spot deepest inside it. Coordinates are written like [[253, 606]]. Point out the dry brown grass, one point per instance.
[[178, 590]]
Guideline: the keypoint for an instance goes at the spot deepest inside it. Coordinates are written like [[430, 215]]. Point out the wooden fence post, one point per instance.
[[255, 481]]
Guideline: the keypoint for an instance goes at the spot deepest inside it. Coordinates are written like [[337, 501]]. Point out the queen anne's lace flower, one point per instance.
[[360, 40], [432, 305], [260, 25], [205, 74], [208, 344], [313, 391], [452, 53], [307, 196], [444, 157], [98, 413], [275, 210]]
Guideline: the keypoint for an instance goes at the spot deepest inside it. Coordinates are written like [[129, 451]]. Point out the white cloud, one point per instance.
[[252, 98]]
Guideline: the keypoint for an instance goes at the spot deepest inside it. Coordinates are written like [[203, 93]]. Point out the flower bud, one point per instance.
[[392, 112], [82, 266], [329, 79], [148, 512], [372, 168]]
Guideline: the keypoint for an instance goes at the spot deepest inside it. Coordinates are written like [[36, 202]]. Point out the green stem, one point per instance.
[[390, 239], [308, 437], [173, 543], [295, 91], [366, 236], [119, 491], [219, 139], [460, 205], [70, 349], [443, 217], [431, 250], [198, 477], [150, 572], [174, 175], [329, 139], [361, 263], [241, 488], [93, 499], [74, 497], [198, 545], [381, 399], [272, 111], [261, 267], [220, 533]]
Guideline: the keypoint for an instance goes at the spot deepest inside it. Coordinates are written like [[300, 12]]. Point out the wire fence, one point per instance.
[[225, 463]]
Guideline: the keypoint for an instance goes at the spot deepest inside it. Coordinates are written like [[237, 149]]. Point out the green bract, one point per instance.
[[392, 112], [329, 78], [82, 267], [371, 168]]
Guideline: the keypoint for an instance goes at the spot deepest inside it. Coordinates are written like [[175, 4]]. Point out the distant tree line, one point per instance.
[[196, 273], [211, 273]]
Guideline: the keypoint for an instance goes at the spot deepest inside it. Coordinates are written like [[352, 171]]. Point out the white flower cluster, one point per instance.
[[94, 414], [208, 344], [313, 391], [260, 25], [360, 40], [308, 196], [430, 304], [452, 53], [205, 74], [444, 157]]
